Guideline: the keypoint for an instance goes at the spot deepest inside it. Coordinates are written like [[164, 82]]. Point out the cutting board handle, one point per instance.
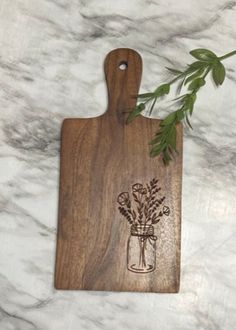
[[123, 70]]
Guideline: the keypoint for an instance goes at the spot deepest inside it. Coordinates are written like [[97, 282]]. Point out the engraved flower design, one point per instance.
[[138, 187], [166, 210], [143, 208], [143, 191], [145, 205], [123, 199]]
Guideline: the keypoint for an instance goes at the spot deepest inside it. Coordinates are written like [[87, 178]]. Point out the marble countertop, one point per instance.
[[51, 67]]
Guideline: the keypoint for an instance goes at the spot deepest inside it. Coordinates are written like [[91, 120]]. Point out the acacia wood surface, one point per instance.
[[100, 158]]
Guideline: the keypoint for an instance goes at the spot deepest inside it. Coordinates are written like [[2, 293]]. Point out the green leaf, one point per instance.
[[179, 115], [191, 105], [218, 73], [188, 122], [197, 74], [180, 97], [169, 119], [193, 97], [172, 137], [156, 150], [152, 106], [203, 54], [146, 95], [174, 71], [197, 65], [196, 84], [136, 112], [166, 156], [180, 85], [189, 101], [155, 140], [162, 90]]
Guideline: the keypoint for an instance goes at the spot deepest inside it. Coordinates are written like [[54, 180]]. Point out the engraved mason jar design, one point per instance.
[[141, 249], [143, 208]]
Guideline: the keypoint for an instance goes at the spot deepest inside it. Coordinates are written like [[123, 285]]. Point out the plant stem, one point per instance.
[[221, 58], [177, 78], [165, 139], [206, 73], [150, 112]]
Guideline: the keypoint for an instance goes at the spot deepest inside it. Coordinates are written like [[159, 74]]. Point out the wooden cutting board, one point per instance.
[[119, 209]]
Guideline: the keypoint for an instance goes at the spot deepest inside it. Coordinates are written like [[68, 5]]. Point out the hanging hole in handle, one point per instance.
[[123, 65]]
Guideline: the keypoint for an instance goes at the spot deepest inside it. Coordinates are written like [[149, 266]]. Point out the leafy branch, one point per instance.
[[193, 78]]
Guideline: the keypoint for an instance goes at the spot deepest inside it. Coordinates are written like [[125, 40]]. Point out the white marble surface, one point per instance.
[[51, 59]]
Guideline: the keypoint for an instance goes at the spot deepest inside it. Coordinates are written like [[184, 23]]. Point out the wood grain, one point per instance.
[[100, 158]]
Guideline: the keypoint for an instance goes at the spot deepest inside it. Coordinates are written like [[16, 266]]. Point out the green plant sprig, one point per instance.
[[193, 77]]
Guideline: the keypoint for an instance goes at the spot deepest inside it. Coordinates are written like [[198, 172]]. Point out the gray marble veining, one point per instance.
[[51, 67]]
